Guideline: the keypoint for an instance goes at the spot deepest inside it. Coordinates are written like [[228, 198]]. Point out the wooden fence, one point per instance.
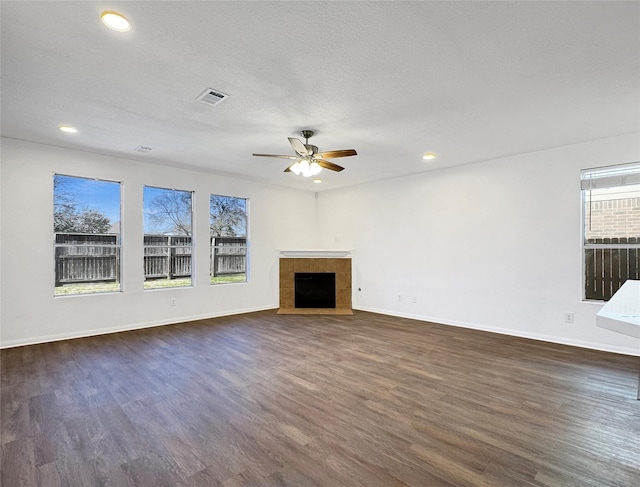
[[167, 256], [96, 257], [86, 258], [229, 255], [606, 269]]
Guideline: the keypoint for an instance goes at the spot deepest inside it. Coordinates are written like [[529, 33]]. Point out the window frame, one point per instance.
[[172, 250], [245, 248], [596, 253], [116, 246]]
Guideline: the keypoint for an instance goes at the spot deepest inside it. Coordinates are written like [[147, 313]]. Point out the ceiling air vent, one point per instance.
[[211, 97]]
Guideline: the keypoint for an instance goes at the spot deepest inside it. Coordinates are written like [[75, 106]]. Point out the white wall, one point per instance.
[[279, 218], [493, 245]]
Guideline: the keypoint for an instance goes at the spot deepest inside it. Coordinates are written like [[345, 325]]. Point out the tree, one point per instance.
[[91, 221], [67, 220], [68, 217], [228, 216], [171, 211]]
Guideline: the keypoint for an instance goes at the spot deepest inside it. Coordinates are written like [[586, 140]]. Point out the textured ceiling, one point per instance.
[[470, 81]]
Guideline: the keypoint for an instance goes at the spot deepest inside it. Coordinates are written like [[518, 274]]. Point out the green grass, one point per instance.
[[87, 288], [228, 279], [114, 287], [166, 283]]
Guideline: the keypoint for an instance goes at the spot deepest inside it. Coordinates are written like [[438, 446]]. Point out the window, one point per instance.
[[228, 235], [86, 225], [611, 211], [168, 246]]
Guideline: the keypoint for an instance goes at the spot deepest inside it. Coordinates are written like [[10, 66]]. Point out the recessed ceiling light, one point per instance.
[[68, 129], [428, 156], [317, 180], [115, 21]]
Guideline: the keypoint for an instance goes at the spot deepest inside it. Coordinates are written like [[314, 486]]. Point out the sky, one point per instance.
[[104, 197], [93, 194]]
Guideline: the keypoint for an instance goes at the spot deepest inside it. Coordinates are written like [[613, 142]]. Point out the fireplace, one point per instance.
[[315, 290], [315, 285]]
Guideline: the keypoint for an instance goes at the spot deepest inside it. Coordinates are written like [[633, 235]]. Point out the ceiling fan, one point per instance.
[[309, 162]]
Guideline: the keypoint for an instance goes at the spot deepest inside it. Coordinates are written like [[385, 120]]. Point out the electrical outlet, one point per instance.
[[568, 317], [399, 298], [414, 299], [173, 301]]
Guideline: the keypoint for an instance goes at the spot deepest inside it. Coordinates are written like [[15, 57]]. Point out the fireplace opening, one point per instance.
[[315, 290]]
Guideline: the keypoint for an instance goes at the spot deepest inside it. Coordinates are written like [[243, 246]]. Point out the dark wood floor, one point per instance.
[[271, 400]]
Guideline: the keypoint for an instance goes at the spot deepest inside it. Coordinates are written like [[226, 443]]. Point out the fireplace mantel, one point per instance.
[[320, 253]]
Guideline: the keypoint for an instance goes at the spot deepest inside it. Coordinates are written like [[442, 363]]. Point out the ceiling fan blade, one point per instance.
[[338, 153], [288, 169], [298, 146], [293, 158], [329, 165]]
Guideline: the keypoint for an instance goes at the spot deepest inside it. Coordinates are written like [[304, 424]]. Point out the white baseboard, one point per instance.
[[116, 329], [506, 331]]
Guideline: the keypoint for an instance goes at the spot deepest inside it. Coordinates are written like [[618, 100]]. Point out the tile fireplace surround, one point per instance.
[[309, 261]]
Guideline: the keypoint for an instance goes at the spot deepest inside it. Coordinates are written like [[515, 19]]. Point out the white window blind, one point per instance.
[[608, 177]]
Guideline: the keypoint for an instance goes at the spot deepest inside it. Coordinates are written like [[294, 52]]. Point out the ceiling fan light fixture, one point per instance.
[[306, 168], [295, 168], [315, 168], [115, 21]]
